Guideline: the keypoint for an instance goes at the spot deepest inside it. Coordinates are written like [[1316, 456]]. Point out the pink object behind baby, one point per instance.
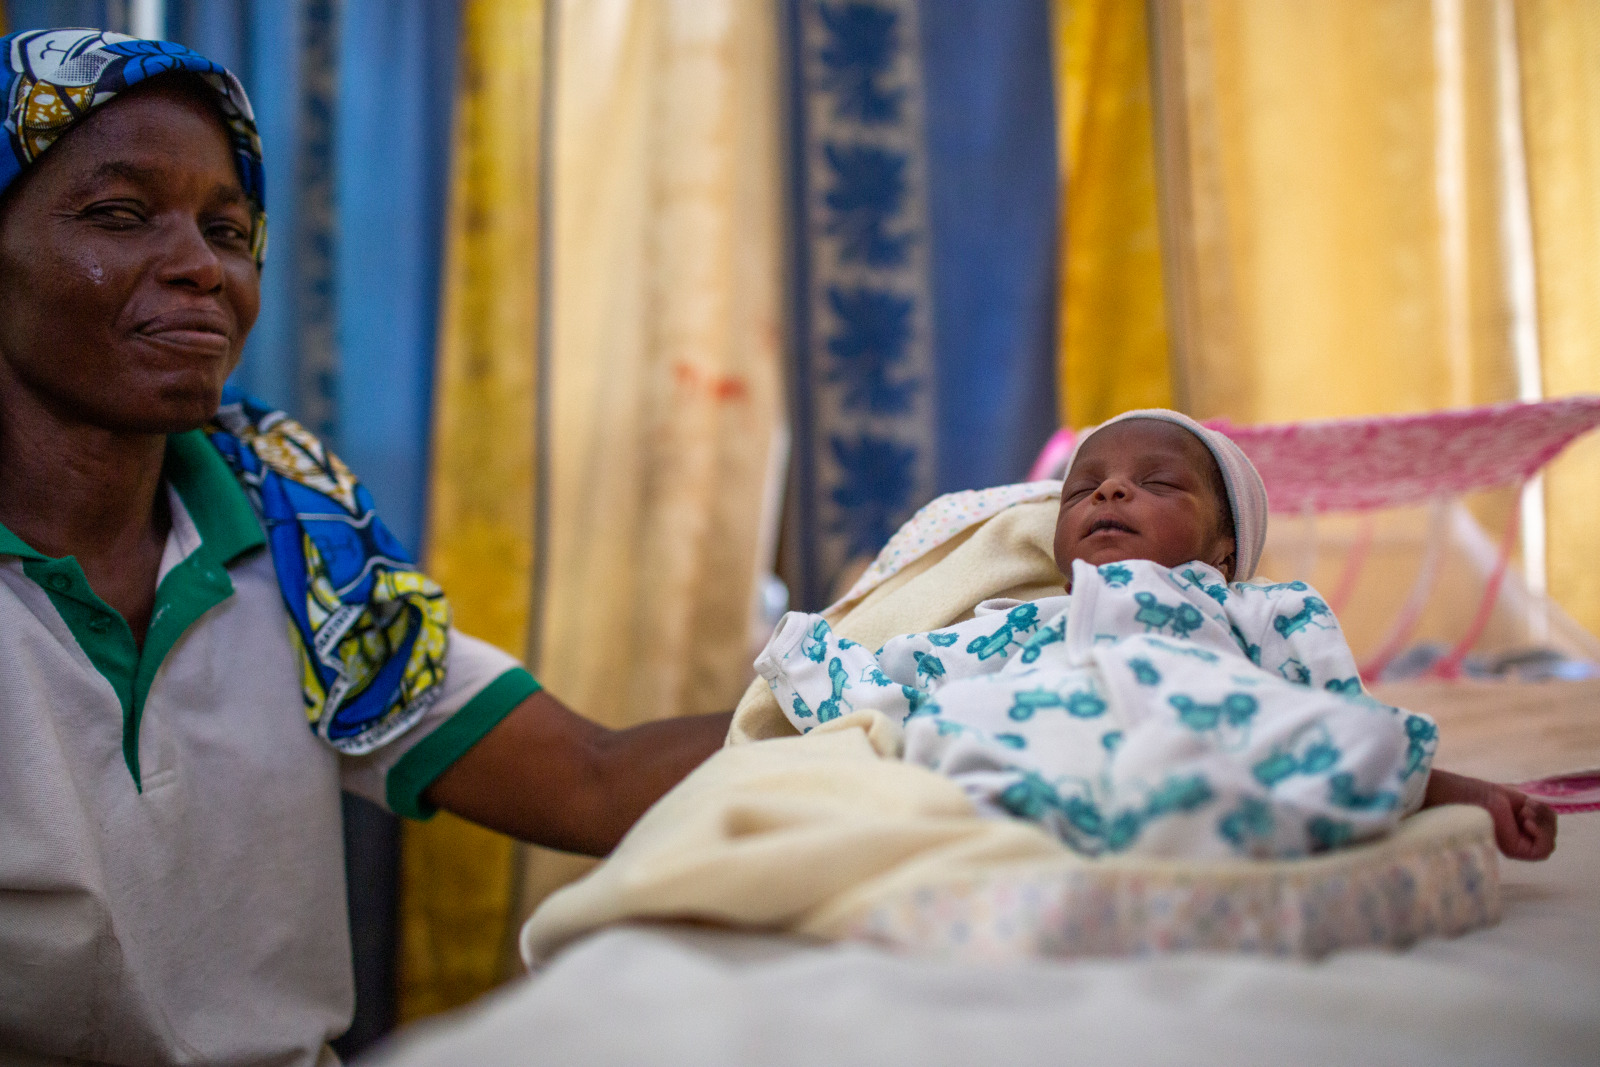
[[1390, 460]]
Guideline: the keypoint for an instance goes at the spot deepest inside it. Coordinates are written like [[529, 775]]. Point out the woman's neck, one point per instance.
[[71, 488]]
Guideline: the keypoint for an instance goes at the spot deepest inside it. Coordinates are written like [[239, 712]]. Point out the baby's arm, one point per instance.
[[1288, 629], [818, 676], [979, 646], [1524, 828]]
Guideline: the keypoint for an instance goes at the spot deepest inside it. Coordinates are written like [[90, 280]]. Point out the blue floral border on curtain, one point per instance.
[[924, 239], [864, 387]]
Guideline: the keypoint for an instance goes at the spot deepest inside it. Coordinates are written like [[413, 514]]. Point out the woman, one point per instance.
[[186, 582]]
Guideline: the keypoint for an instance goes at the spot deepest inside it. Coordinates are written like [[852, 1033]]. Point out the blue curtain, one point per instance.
[[397, 62], [992, 208], [923, 170]]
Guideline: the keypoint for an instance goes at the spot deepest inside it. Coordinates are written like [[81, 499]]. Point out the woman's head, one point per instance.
[[1156, 485], [130, 238]]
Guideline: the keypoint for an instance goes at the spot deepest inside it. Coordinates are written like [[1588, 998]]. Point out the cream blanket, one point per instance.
[[817, 834]]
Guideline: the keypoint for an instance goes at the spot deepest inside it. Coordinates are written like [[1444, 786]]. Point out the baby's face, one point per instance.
[[1143, 489]]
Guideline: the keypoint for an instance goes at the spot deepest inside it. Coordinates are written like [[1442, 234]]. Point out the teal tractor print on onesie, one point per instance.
[[943, 640], [1177, 793], [1087, 828], [813, 645], [1344, 686], [1215, 591], [1181, 619], [802, 710], [1327, 834], [1312, 610], [1252, 652], [1250, 821], [1030, 797], [920, 703], [1279, 587], [828, 710], [929, 666], [873, 675], [1115, 575], [1319, 756], [1049, 635], [1186, 619], [1420, 736], [1020, 618], [1144, 672], [1342, 793], [1153, 614], [1080, 705], [1295, 671], [1235, 709]]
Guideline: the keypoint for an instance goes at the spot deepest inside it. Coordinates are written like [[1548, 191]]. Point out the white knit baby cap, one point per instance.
[[1247, 493]]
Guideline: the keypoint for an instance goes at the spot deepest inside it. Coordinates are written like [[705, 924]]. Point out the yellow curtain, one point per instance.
[[664, 294], [1365, 199], [1560, 53], [457, 879], [1113, 330], [1339, 188]]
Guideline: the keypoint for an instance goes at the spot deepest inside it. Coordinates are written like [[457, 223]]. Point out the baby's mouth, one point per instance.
[[1104, 525]]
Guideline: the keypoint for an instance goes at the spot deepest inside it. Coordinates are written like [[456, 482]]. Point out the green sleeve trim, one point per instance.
[[433, 755]]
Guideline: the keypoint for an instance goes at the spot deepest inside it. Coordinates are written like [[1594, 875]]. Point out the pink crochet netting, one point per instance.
[[1394, 460]]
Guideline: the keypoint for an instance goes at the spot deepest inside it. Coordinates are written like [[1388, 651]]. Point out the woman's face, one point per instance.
[[127, 285]]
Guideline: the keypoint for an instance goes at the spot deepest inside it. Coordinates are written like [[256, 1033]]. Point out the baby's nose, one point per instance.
[[1112, 489]]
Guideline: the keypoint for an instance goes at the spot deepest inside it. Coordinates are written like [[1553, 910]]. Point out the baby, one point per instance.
[[1165, 706]]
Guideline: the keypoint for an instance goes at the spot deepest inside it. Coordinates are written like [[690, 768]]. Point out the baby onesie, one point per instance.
[[1156, 711]]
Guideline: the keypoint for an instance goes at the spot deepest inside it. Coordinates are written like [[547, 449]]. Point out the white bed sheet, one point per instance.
[[1524, 992]]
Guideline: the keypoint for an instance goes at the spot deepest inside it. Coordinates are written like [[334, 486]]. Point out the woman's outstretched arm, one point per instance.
[[550, 777]]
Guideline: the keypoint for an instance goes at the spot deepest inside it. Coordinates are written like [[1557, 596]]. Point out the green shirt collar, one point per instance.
[[12, 545], [210, 493], [213, 497]]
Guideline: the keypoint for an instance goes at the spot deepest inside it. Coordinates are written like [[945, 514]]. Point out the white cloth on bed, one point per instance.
[[1152, 711], [1519, 994]]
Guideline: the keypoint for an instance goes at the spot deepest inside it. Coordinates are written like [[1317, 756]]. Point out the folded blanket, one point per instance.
[[802, 834]]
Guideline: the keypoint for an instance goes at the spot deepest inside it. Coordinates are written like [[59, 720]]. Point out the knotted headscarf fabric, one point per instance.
[[370, 630], [52, 79]]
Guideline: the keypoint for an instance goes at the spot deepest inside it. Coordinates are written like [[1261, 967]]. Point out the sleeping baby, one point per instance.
[[1165, 706]]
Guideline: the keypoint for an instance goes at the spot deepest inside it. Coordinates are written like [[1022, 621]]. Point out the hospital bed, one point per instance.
[[1524, 990]]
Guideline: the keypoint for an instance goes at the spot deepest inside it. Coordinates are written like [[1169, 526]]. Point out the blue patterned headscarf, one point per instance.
[[369, 629], [53, 78]]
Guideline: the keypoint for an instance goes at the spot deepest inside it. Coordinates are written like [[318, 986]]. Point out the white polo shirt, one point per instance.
[[171, 863]]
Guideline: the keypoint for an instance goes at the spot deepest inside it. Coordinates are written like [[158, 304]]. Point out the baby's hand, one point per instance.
[[1524, 828], [1527, 831]]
